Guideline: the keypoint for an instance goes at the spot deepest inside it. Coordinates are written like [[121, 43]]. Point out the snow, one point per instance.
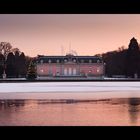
[[69, 90], [69, 86]]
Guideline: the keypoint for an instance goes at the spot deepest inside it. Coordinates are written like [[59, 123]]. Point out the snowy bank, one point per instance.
[[70, 90]]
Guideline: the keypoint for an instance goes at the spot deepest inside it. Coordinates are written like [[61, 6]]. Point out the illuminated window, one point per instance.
[[89, 71], [98, 61], [65, 60], [41, 61], [49, 61], [74, 60], [57, 60], [98, 70], [90, 61], [42, 70]]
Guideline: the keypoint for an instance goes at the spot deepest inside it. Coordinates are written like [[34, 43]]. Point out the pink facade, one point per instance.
[[70, 66], [70, 70]]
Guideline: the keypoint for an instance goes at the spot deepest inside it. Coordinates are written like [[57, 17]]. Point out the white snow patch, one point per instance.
[[69, 90], [69, 86]]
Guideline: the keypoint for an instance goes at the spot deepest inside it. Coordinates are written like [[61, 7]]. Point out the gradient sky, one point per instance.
[[88, 34]]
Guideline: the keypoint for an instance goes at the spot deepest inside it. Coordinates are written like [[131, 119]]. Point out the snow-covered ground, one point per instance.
[[69, 90]]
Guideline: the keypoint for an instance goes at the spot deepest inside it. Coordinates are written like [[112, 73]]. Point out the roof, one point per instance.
[[69, 58]]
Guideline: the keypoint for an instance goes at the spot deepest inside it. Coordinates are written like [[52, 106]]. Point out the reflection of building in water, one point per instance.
[[134, 109], [8, 108], [6, 104]]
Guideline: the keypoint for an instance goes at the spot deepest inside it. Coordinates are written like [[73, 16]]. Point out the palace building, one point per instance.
[[69, 66]]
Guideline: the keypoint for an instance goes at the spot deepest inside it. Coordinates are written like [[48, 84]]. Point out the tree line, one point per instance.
[[125, 62], [13, 62]]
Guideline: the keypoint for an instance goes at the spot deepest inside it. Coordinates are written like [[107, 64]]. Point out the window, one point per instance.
[[82, 61], [89, 71], [57, 61], [74, 60], [49, 61], [41, 70], [65, 60], [90, 61], [98, 70], [98, 61], [41, 61]]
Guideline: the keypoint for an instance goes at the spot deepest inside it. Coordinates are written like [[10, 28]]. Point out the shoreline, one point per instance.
[[15, 80], [69, 96], [69, 90]]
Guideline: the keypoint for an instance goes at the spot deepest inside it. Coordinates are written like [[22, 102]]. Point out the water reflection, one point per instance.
[[115, 111], [133, 109], [6, 104]]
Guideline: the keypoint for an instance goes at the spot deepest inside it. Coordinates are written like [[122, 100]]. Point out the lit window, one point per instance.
[[90, 61], [98, 61], [57, 60], [89, 71], [74, 60], [42, 70], [98, 70], [49, 61], [65, 60], [41, 61]]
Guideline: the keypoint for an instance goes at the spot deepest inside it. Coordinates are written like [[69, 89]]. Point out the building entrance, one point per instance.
[[69, 71]]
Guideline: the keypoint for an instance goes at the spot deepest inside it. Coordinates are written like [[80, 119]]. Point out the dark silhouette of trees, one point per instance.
[[17, 63], [2, 61], [22, 65], [115, 62], [10, 65], [12, 61], [123, 61], [133, 59]]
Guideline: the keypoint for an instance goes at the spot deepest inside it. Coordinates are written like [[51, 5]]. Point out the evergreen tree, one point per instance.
[[22, 63], [31, 73], [133, 58], [2, 64], [17, 64], [10, 65]]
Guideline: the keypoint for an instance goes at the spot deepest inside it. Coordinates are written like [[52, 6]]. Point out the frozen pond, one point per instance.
[[107, 112], [70, 103]]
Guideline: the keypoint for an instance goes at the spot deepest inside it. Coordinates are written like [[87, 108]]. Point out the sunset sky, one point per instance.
[[88, 34]]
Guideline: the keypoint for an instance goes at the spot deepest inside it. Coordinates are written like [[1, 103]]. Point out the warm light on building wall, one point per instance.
[[41, 70], [98, 70]]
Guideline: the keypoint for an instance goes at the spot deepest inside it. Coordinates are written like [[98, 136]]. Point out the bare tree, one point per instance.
[[5, 48]]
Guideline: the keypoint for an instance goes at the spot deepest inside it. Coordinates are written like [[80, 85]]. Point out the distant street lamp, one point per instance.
[[4, 68], [135, 75]]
